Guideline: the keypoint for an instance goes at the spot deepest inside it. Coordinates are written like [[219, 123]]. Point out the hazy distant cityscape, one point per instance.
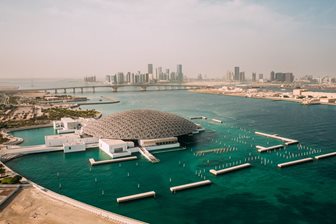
[[160, 75], [169, 112]]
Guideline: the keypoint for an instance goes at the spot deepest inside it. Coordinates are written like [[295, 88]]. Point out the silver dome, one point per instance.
[[139, 124]]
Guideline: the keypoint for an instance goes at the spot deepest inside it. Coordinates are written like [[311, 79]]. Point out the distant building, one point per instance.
[[159, 73], [167, 74], [229, 76], [172, 76], [120, 78], [284, 77], [128, 77], [108, 78], [236, 73], [254, 77], [242, 76], [280, 77], [289, 77], [90, 78], [132, 78], [179, 73], [150, 68], [272, 76], [113, 79], [261, 76]]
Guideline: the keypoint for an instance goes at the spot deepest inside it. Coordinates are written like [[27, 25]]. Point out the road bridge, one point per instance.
[[115, 87]]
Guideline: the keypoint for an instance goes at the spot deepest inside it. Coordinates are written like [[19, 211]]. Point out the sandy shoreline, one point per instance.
[[245, 95], [30, 206]]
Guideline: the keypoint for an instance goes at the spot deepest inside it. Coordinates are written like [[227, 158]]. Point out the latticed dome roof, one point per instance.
[[139, 124]]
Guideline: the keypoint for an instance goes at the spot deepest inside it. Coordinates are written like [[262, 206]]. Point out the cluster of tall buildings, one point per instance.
[[237, 75], [258, 78], [90, 78], [281, 76], [159, 75]]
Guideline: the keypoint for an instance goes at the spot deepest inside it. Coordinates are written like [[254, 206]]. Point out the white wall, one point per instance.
[[59, 139], [74, 148]]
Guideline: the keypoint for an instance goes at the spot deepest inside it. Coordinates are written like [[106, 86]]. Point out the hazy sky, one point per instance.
[[74, 38]]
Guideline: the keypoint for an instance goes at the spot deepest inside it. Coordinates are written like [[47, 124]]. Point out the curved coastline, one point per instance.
[[114, 217], [51, 194]]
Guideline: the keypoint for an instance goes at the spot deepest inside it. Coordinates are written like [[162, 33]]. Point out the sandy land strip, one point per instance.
[[243, 94], [30, 206]]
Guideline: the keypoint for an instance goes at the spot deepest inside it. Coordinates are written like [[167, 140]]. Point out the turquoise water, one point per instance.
[[260, 194], [34, 136]]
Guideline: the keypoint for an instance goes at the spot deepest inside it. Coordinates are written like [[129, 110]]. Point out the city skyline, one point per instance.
[[46, 39]]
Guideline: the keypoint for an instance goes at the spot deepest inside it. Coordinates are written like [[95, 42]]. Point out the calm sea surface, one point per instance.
[[260, 194]]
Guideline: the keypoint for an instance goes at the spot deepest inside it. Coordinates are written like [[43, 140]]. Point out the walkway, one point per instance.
[[148, 155]]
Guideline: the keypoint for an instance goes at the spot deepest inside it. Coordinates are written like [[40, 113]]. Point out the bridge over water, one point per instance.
[[114, 88]]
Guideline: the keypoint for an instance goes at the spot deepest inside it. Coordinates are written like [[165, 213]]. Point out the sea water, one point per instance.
[[262, 193]]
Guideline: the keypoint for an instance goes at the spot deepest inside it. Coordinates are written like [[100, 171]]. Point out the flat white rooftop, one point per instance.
[[67, 119], [71, 135], [112, 141]]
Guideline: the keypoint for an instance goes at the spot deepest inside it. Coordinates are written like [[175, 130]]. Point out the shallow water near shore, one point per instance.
[[260, 194]]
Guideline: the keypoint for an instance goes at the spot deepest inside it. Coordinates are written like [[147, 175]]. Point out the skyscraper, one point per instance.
[[272, 76], [159, 73], [254, 77], [120, 78], [280, 76], [179, 73], [289, 77], [108, 78], [150, 68], [236, 73], [261, 76], [242, 76]]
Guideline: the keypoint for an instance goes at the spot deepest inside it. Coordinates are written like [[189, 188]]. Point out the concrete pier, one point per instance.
[[265, 149], [170, 150], [216, 120], [24, 150], [292, 142], [309, 159], [198, 117], [191, 185], [325, 155], [148, 155], [136, 196], [230, 169], [94, 163], [287, 141]]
